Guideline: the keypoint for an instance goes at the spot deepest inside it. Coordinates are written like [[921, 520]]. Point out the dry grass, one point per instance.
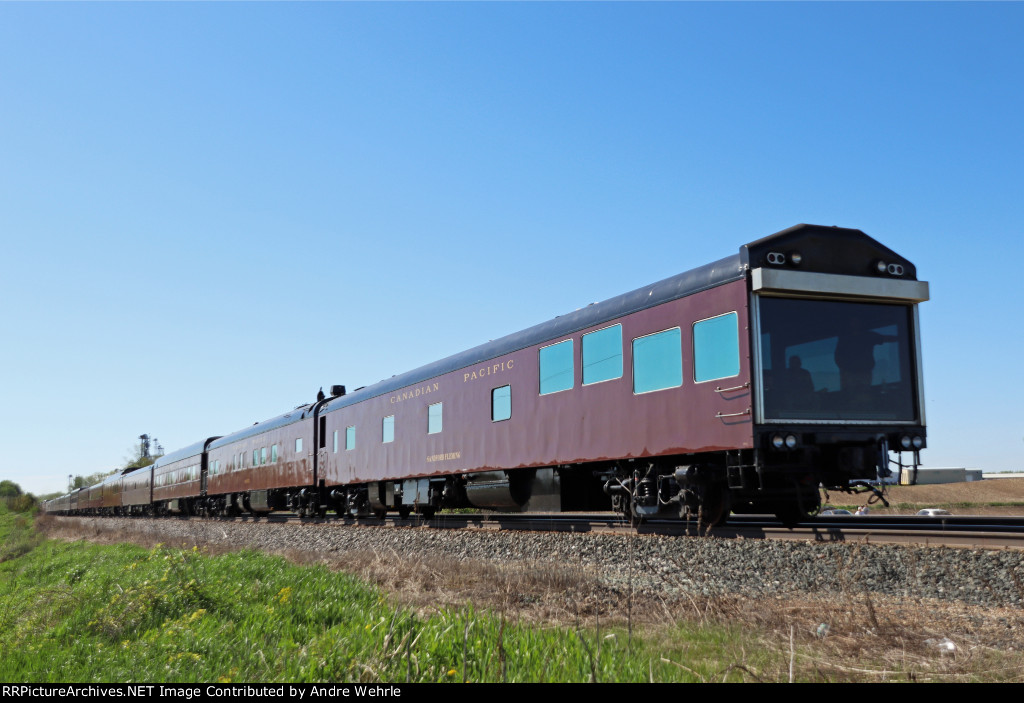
[[970, 498]]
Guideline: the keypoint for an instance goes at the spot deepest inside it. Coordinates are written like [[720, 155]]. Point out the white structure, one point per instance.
[[943, 475]]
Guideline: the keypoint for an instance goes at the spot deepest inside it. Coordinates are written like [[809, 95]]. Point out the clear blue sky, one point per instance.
[[208, 211]]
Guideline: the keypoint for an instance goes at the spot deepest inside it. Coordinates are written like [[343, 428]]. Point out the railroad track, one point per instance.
[[964, 531]]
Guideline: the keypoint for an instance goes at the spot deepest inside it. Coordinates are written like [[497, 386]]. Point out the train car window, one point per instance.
[[263, 456], [298, 445], [273, 453], [255, 457], [434, 417], [388, 429], [501, 403], [836, 360], [658, 361], [350, 437], [335, 441], [602, 355], [323, 431], [716, 348], [556, 368]]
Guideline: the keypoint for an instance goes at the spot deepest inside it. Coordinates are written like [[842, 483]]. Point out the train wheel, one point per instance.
[[715, 506], [380, 513], [804, 506], [427, 512], [404, 511], [635, 520]]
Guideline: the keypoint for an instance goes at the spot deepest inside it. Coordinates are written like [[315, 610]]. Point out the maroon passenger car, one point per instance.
[[179, 479], [263, 467], [743, 384], [137, 491]]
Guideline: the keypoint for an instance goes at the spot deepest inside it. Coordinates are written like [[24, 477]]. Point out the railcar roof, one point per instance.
[[178, 455], [708, 276], [827, 249], [817, 240], [299, 413]]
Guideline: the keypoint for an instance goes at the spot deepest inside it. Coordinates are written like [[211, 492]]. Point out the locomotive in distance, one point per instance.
[[739, 386]]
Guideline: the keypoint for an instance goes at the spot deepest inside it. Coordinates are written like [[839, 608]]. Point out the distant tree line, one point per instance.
[[12, 497]]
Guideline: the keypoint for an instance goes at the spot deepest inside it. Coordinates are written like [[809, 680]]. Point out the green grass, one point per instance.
[[90, 613], [17, 535]]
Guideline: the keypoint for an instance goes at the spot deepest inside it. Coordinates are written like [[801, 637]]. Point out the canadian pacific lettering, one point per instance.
[[407, 395], [496, 367]]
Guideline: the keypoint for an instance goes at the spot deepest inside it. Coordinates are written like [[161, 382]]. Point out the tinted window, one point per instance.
[[657, 361], [388, 429], [716, 348], [602, 355], [350, 437], [501, 403], [556, 367], [298, 445], [434, 417], [832, 360]]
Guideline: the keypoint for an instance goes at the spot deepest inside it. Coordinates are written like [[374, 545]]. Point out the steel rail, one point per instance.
[[959, 531]]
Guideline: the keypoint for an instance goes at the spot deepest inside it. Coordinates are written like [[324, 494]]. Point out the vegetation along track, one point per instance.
[[648, 565], [852, 611]]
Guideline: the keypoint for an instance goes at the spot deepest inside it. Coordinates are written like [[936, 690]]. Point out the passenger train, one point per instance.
[[740, 386]]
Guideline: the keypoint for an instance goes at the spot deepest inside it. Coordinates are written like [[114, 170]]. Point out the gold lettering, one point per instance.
[[495, 368], [447, 456], [422, 390]]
